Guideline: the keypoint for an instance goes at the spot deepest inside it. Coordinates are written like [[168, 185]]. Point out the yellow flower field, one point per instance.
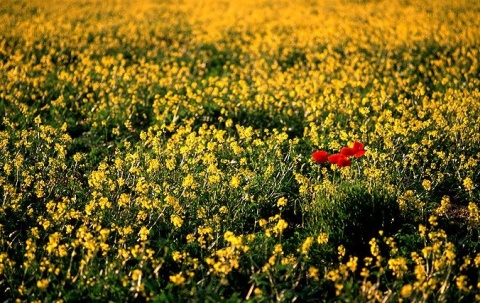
[[259, 151]]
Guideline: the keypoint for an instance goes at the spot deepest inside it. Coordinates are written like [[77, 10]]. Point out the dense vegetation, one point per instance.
[[162, 151]]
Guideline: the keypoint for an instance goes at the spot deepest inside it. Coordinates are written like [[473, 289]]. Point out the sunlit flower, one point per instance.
[[348, 151], [320, 156], [343, 162], [333, 159], [406, 291], [322, 238], [176, 221], [43, 284], [427, 184], [177, 279], [282, 202], [468, 184], [359, 149], [313, 273]]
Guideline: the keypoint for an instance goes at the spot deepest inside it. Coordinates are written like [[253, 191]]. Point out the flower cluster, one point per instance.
[[343, 158]]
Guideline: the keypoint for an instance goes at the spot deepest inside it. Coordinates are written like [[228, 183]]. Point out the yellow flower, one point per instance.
[[136, 274], [462, 283], [406, 291], [177, 279], [176, 221], [281, 202], [144, 232], [352, 263], [42, 284], [306, 245], [468, 184], [398, 266], [374, 248], [427, 184], [422, 229], [257, 291], [7, 168], [232, 239], [473, 213], [322, 238], [262, 222], [278, 249], [188, 181], [341, 251], [235, 182], [280, 227], [37, 120], [77, 157], [313, 273]]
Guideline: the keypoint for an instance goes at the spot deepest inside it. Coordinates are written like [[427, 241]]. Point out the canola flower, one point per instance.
[[161, 151]]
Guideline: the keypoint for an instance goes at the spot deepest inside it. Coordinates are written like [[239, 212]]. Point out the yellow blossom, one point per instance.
[[234, 182], [406, 291], [176, 221], [177, 279], [313, 273], [322, 238], [281, 202], [427, 184], [468, 184]]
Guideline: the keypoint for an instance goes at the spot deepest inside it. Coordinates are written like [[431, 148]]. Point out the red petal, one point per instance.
[[320, 156], [334, 158], [357, 146], [348, 151], [359, 153], [343, 161]]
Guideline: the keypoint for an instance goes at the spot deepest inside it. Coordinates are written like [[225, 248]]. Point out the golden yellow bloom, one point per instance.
[[422, 229], [322, 238], [177, 279], [427, 184], [406, 291], [307, 243], [176, 221], [235, 182], [398, 266], [136, 274], [313, 273], [144, 232], [7, 168], [444, 206], [341, 251], [188, 181], [374, 248], [473, 213], [282, 202], [468, 184], [43, 284], [280, 227], [232, 239], [278, 249], [352, 264], [262, 222], [257, 291], [462, 283]]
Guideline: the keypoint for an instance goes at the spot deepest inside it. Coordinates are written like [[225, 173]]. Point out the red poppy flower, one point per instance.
[[348, 151], [320, 156], [343, 161], [334, 158], [359, 149]]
